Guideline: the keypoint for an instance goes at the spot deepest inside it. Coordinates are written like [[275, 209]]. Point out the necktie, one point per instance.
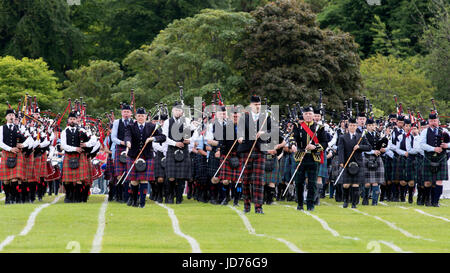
[[141, 127], [412, 142], [126, 122], [10, 127]]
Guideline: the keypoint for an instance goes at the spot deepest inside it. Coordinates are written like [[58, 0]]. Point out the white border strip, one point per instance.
[[393, 226], [97, 242], [176, 228], [252, 231], [393, 246], [431, 215], [30, 223]]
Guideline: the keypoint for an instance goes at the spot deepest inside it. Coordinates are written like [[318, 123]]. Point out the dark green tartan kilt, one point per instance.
[[441, 171], [398, 166], [387, 162], [419, 170], [410, 170], [275, 175], [287, 167]]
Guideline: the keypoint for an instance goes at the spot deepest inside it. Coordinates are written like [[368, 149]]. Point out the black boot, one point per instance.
[[365, 201], [6, 189], [270, 193], [171, 188], [68, 188], [383, 192], [180, 188], [437, 195], [410, 195], [420, 196], [143, 187], [159, 189], [346, 196], [355, 197], [402, 193], [427, 196], [339, 193], [190, 189]]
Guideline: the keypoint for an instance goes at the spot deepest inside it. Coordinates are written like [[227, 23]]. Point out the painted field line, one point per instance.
[[176, 228], [97, 242], [384, 204], [393, 246], [30, 222], [325, 225], [393, 226], [431, 215], [252, 231], [2, 199]]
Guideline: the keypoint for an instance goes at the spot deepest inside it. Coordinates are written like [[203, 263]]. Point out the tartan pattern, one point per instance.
[[387, 161], [109, 170], [75, 175], [199, 167], [253, 175], [30, 175], [410, 170], [419, 170], [323, 170], [274, 176], [91, 171], [397, 168], [287, 167], [213, 164], [17, 172], [40, 166], [147, 175], [119, 168], [442, 173], [159, 170], [373, 176], [226, 172], [178, 170]]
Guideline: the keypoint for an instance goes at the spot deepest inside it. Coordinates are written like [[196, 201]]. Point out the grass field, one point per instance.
[[98, 226]]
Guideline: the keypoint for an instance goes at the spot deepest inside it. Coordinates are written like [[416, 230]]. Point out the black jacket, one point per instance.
[[137, 139], [248, 141], [345, 148]]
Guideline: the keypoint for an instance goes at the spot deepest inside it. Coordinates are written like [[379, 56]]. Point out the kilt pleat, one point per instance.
[[147, 175], [40, 166], [410, 171], [119, 168], [159, 170], [323, 170], [388, 171], [253, 174], [30, 162], [213, 164], [109, 170], [442, 169], [374, 176], [200, 166], [178, 170], [275, 175], [18, 172], [228, 173], [288, 167], [74, 175]]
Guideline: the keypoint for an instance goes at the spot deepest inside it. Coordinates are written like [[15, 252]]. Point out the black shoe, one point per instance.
[[353, 206], [365, 202], [259, 210], [310, 208], [300, 207], [170, 201], [410, 199], [142, 206], [130, 202], [179, 201], [435, 205], [345, 205]]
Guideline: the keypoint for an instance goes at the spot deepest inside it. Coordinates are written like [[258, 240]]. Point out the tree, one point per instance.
[[97, 84], [19, 77], [37, 29], [196, 51], [386, 44], [287, 57], [386, 76]]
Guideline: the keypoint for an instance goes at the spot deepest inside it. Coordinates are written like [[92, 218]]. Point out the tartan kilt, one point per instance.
[[442, 170], [157, 166], [419, 170], [147, 175], [274, 176], [359, 178], [387, 161], [323, 170], [398, 165], [40, 166], [178, 170], [75, 175], [17, 172], [119, 168], [253, 174], [228, 173], [410, 171], [29, 162], [374, 176], [109, 170], [213, 164], [287, 167], [199, 169], [91, 171]]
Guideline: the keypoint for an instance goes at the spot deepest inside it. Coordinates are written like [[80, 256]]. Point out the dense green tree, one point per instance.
[[386, 76], [96, 84], [37, 29], [27, 76], [287, 57]]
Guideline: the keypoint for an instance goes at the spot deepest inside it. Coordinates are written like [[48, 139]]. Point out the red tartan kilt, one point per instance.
[[75, 175], [226, 172], [40, 166], [29, 162], [54, 173], [17, 172]]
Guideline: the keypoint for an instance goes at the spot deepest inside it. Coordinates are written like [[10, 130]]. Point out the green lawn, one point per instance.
[[63, 227]]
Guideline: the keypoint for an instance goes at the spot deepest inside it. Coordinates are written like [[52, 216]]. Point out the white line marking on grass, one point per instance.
[[30, 223], [393, 226], [394, 247], [384, 204], [176, 228], [325, 225], [252, 231], [2, 199], [326, 203], [431, 215], [97, 243]]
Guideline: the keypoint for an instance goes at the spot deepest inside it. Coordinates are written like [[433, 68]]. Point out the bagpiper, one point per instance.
[[160, 149], [419, 152], [434, 141]]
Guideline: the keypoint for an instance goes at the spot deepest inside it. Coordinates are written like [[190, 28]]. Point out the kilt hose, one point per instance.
[[157, 166], [199, 170], [388, 171], [433, 174], [228, 173], [29, 162], [419, 170], [374, 175], [18, 172], [40, 166], [253, 174], [273, 176], [109, 170], [178, 170], [119, 168], [75, 175], [147, 175]]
